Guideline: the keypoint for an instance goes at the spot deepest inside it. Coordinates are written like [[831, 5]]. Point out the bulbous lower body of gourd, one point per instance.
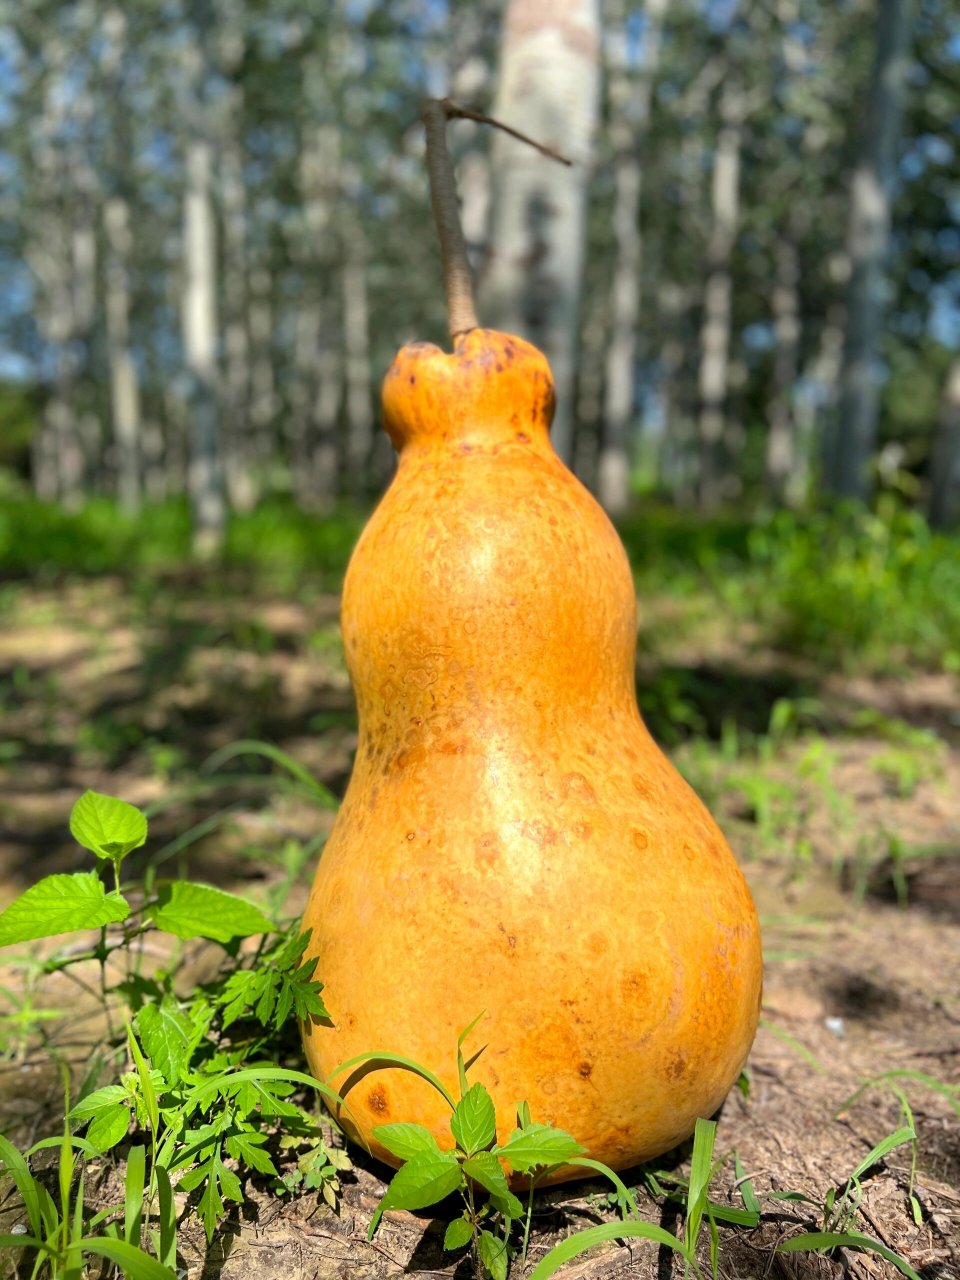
[[582, 899]]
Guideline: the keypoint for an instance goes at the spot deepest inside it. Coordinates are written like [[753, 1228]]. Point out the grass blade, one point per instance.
[[745, 1187], [883, 1148], [133, 1194], [624, 1195], [816, 1240], [584, 1240], [167, 1215], [133, 1262], [15, 1165], [704, 1138], [252, 747], [395, 1060]]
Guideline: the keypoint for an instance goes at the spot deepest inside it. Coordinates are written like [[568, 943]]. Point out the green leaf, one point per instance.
[[61, 904], [165, 1035], [750, 1201], [133, 1262], [189, 910], [883, 1148], [108, 827], [704, 1138], [148, 1092], [486, 1169], [134, 1182], [461, 1064], [15, 1166], [493, 1255], [539, 1144], [422, 1181], [845, 1240], [248, 1149], [474, 1123], [584, 1240], [458, 1233], [406, 1140], [167, 1215]]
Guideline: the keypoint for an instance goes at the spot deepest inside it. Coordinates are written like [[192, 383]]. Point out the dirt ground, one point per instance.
[[857, 886]]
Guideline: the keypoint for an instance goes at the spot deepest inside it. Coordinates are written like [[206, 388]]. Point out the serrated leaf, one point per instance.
[[474, 1122], [247, 1148], [486, 1169], [458, 1233], [106, 826], [61, 904], [538, 1145], [109, 1127], [422, 1181], [165, 1036], [189, 910], [493, 1255], [406, 1140]]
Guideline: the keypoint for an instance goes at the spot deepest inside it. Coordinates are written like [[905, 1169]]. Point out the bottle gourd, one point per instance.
[[512, 840]]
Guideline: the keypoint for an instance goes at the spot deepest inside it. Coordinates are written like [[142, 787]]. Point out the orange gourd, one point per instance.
[[512, 840]]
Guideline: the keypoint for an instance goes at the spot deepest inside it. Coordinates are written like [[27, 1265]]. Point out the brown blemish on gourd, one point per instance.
[[377, 1101], [585, 1070]]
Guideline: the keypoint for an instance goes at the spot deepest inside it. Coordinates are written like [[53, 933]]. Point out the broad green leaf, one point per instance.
[[584, 1240], [189, 910], [493, 1254], [133, 1262], [108, 827], [61, 904], [458, 1233], [486, 1169], [845, 1240], [406, 1140], [165, 1036], [540, 1144], [422, 1181], [109, 1126], [474, 1123]]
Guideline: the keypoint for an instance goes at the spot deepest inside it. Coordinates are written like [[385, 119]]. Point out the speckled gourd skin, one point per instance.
[[512, 840]]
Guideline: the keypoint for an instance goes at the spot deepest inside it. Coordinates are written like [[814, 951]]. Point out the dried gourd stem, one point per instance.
[[461, 313], [458, 285]]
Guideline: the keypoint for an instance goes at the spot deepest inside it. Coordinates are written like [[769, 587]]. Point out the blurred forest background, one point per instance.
[[215, 234]]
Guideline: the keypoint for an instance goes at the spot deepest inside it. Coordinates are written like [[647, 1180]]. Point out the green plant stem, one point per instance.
[[526, 1223]]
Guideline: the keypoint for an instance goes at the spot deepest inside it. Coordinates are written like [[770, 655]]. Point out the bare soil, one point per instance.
[[855, 876]]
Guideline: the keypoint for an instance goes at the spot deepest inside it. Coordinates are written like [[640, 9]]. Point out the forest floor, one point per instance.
[[841, 795]]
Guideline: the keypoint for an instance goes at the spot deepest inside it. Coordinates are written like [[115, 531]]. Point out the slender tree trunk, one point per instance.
[[264, 402], [531, 283], [124, 387], [712, 378], [629, 100], [945, 461], [199, 342], [784, 466], [238, 470], [848, 461], [356, 333]]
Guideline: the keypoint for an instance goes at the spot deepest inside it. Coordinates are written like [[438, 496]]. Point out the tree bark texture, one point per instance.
[[945, 464], [847, 473], [629, 96], [713, 372], [532, 280]]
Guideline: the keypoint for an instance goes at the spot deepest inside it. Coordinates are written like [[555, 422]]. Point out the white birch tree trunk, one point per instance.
[[356, 334], [199, 322], [124, 386], [532, 280], [712, 377], [785, 470], [847, 473], [629, 98], [945, 462]]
